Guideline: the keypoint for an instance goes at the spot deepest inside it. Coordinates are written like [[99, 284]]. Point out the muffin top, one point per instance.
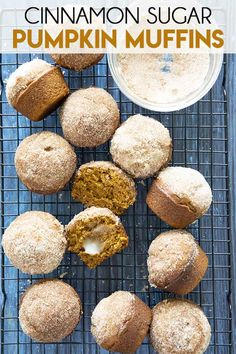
[[169, 255], [89, 117], [35, 242], [141, 146], [76, 61], [94, 212], [95, 234], [23, 76], [49, 310], [45, 162], [179, 327], [188, 185], [111, 315]]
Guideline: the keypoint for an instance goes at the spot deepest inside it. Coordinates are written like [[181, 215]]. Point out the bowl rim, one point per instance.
[[171, 107]]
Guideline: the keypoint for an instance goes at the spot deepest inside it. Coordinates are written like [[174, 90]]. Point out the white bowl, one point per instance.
[[216, 61]]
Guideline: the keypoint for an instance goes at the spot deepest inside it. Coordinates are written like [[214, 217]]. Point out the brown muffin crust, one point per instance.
[[179, 326], [120, 322], [45, 162], [96, 234], [42, 96], [77, 62], [102, 184], [169, 208], [35, 242], [176, 263], [49, 310], [89, 117], [182, 202]]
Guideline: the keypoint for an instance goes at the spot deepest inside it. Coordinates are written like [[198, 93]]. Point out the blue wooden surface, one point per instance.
[[200, 140], [231, 91]]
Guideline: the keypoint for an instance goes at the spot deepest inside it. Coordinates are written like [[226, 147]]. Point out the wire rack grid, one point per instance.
[[199, 141]]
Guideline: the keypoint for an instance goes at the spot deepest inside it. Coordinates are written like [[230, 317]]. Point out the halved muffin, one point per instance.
[[102, 184], [96, 234]]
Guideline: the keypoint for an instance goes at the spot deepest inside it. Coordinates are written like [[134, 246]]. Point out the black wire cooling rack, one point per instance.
[[200, 141]]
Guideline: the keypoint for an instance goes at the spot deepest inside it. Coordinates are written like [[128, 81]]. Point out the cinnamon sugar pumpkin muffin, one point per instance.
[[120, 322], [176, 263], [35, 242], [141, 146], [179, 327], [89, 117], [45, 162], [36, 88], [102, 184], [96, 234], [49, 310], [179, 196], [76, 61]]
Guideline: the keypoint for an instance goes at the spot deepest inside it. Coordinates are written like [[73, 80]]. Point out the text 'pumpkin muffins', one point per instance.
[[179, 196], [120, 322], [36, 89], [176, 263], [49, 310], [35, 242], [89, 117], [76, 61], [102, 184], [96, 234], [179, 327], [45, 162], [141, 146]]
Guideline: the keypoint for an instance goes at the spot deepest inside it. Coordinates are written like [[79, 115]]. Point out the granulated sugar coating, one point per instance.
[[34, 242], [120, 322], [179, 327], [187, 184], [167, 78], [49, 310], [141, 146], [176, 263], [23, 76]]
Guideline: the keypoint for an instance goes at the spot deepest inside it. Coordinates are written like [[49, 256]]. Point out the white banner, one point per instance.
[[120, 27]]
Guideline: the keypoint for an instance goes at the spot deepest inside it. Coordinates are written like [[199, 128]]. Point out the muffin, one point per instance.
[[49, 310], [102, 184], [176, 263], [36, 89], [45, 162], [89, 117], [96, 234], [120, 322], [35, 242], [179, 327], [141, 146], [179, 196], [77, 62]]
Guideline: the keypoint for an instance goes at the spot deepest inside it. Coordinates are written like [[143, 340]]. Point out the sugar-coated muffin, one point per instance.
[[96, 234], [36, 88], [141, 146], [102, 184], [35, 242], [176, 263], [89, 117], [120, 322], [76, 61], [45, 162], [49, 310], [179, 327], [179, 196]]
